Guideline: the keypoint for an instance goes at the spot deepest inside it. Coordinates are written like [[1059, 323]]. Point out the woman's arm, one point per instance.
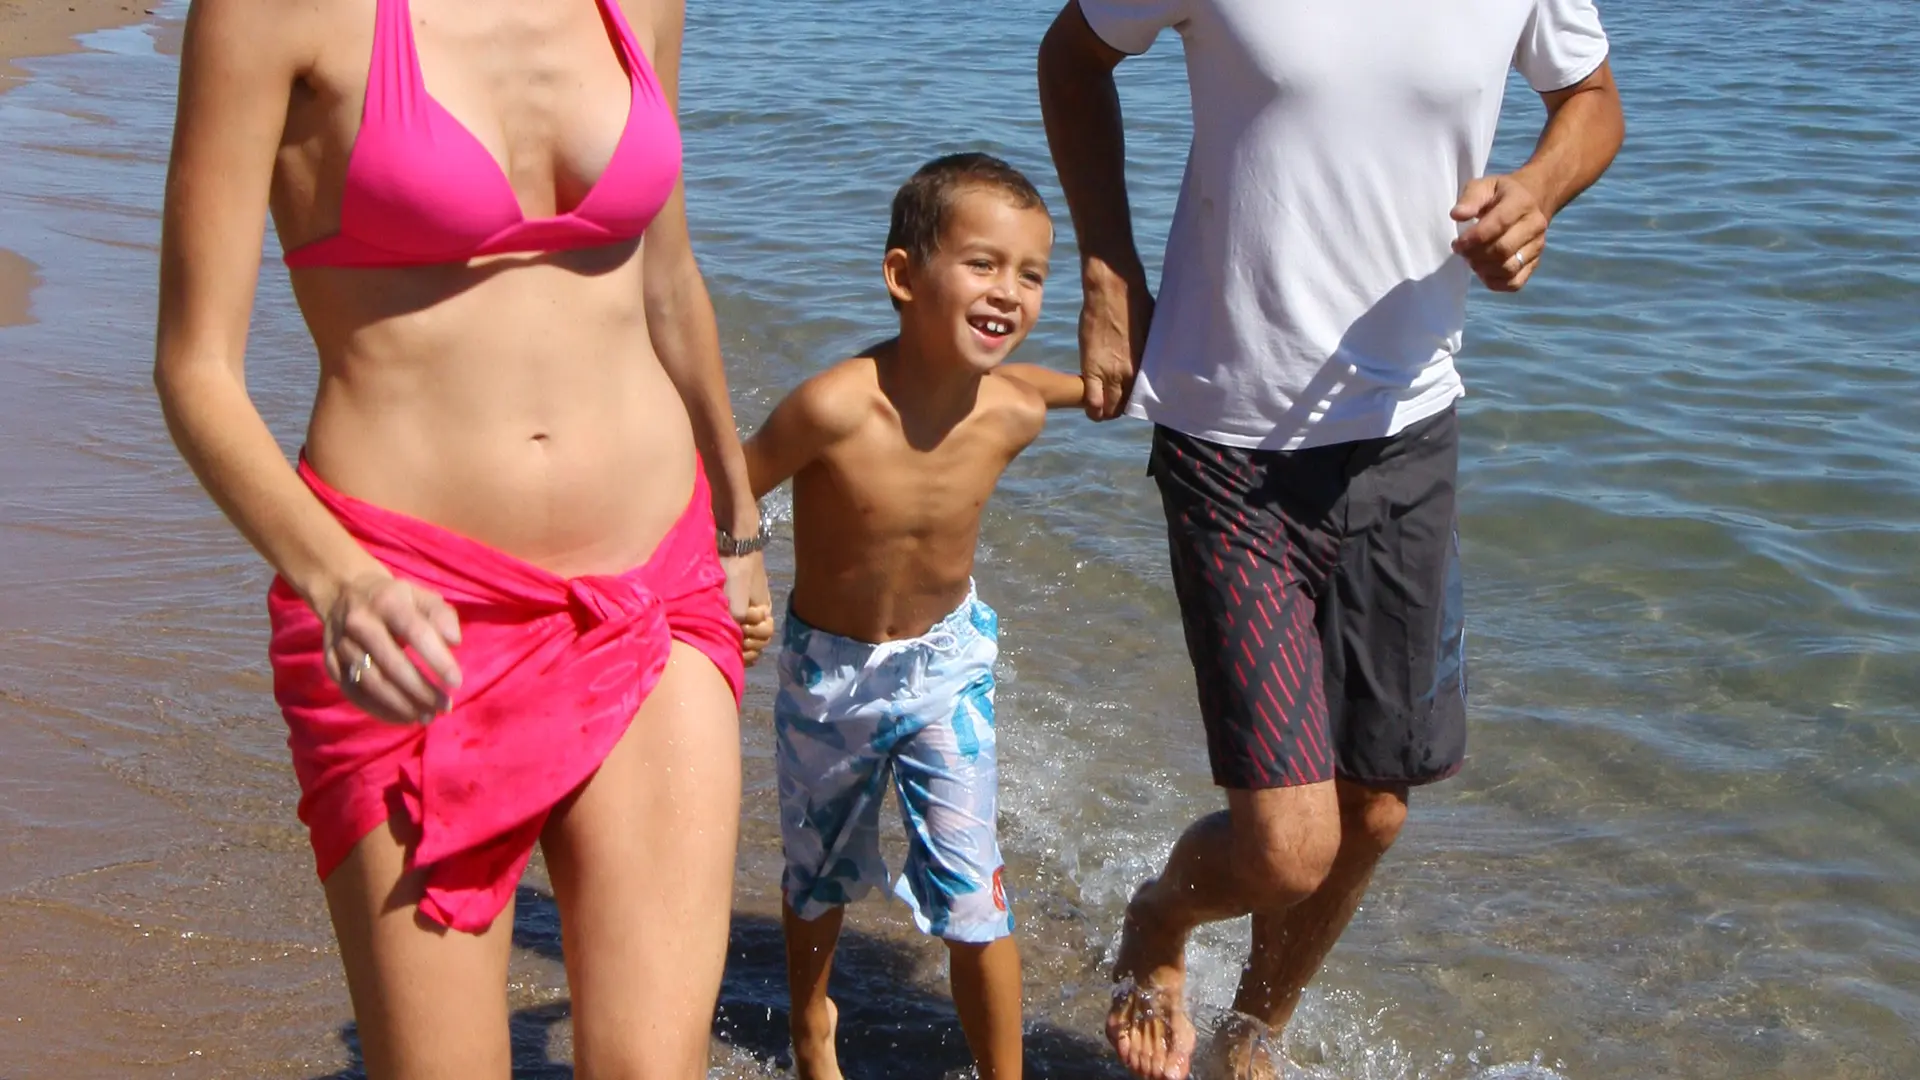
[[238, 64], [680, 321]]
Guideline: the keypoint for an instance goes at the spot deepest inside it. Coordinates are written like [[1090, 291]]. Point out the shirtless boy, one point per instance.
[[887, 666]]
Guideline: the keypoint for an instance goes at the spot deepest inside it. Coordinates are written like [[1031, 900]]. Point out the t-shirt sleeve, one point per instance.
[[1563, 44], [1131, 25]]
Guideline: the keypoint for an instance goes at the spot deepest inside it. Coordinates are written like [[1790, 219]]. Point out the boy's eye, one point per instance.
[[1033, 278], [980, 264]]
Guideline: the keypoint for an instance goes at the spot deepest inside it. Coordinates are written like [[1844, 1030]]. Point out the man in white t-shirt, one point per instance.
[[1298, 366]]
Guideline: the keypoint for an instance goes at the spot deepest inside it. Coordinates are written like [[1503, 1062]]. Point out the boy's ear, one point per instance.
[[896, 267]]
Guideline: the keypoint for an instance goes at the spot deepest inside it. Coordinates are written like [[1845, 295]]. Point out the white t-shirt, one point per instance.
[[1310, 294]]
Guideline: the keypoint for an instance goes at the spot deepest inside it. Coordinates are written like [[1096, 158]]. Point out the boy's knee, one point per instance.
[[977, 951], [1282, 861]]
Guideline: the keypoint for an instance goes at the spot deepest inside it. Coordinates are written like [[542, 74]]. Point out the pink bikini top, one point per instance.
[[421, 189]]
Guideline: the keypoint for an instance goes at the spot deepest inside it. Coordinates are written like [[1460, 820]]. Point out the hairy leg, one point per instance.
[[1271, 849], [1290, 946]]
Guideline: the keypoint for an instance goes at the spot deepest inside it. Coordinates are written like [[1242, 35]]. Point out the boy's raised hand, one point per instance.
[[756, 630]]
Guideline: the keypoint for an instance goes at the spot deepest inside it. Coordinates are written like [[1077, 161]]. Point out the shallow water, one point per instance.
[[1685, 844]]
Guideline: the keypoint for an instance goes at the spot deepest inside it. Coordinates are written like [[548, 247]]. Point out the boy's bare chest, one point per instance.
[[894, 488]]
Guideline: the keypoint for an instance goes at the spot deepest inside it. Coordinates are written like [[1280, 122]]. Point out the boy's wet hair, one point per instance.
[[923, 204]]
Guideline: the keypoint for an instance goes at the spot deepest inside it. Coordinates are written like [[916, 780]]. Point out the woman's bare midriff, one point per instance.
[[516, 401]]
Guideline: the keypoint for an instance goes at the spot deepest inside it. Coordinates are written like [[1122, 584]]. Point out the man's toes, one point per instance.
[[1162, 1059]]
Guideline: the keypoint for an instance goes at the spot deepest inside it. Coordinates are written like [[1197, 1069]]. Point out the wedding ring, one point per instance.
[[360, 668], [1519, 260]]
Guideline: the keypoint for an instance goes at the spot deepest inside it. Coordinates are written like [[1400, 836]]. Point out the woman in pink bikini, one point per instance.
[[509, 594]]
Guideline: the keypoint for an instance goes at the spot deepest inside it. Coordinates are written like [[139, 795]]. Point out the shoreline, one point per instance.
[[35, 28]]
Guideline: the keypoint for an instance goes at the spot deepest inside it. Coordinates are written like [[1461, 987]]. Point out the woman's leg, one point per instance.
[[429, 1002], [642, 864]]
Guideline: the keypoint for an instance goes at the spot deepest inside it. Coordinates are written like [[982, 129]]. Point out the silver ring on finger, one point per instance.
[[360, 668], [1515, 264]]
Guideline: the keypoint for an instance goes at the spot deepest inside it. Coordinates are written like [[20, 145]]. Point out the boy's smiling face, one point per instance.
[[977, 297]]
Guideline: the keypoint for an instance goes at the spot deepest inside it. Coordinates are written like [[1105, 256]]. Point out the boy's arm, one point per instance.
[[806, 422], [1059, 389]]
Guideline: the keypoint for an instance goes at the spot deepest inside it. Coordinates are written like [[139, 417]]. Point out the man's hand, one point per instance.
[[1113, 336], [1508, 234]]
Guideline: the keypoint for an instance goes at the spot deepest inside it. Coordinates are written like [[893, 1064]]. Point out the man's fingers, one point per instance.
[[1092, 396], [1525, 233], [1106, 393], [1498, 220], [1514, 273], [1474, 199]]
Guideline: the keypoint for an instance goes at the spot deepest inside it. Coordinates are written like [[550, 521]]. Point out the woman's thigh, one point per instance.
[[642, 863], [429, 1002]]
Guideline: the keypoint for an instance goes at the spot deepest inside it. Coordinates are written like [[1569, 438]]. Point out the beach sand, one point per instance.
[[44, 28], [48, 27], [18, 276]]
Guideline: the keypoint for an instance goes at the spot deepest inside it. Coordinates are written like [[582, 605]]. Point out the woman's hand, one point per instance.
[[370, 626], [751, 602]]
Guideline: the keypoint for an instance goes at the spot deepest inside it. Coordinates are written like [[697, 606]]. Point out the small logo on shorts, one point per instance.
[[1000, 888]]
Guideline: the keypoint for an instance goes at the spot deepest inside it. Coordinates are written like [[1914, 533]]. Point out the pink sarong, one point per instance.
[[553, 670]]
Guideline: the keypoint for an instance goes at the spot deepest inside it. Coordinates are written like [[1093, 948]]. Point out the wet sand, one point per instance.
[[44, 28], [48, 28], [18, 276]]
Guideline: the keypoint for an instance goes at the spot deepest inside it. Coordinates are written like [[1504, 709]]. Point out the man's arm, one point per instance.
[[1585, 127], [1057, 388], [1081, 107]]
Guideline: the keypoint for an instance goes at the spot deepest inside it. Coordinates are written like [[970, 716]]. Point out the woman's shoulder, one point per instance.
[[296, 32], [652, 20]]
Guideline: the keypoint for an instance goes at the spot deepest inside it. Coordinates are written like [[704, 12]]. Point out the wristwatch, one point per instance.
[[732, 548]]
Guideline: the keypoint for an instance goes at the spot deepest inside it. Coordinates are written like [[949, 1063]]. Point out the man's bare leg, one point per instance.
[[986, 991], [813, 1019], [1289, 947], [1270, 850]]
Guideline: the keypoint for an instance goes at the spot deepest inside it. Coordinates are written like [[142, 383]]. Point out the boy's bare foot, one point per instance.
[[1242, 1048], [814, 1056], [1148, 1024]]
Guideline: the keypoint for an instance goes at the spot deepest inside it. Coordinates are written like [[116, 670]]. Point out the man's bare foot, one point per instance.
[[1148, 1024], [814, 1055], [1242, 1048]]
